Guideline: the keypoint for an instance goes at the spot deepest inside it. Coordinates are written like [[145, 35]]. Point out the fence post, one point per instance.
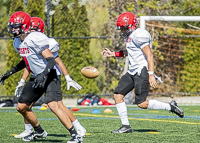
[[48, 18]]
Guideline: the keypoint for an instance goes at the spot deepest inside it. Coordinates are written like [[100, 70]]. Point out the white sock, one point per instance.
[[76, 124], [122, 111], [28, 127], [157, 105]]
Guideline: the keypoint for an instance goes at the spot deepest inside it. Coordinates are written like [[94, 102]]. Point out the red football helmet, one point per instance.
[[37, 24], [127, 23], [19, 20]]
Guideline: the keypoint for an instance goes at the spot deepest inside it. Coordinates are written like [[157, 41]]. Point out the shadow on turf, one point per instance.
[[145, 130], [52, 140], [57, 135], [45, 140]]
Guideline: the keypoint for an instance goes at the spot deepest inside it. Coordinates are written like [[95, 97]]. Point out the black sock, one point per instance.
[[39, 129], [72, 130]]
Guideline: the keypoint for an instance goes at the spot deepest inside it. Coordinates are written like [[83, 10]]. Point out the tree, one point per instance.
[[4, 10], [74, 52], [35, 8]]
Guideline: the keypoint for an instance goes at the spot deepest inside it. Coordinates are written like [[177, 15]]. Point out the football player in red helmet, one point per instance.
[[39, 25], [140, 73], [39, 60], [127, 23], [19, 22]]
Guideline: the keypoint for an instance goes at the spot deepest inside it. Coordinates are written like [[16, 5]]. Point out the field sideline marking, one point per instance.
[[156, 120]]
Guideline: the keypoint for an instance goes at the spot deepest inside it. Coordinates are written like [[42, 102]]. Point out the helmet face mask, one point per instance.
[[127, 23], [125, 31], [15, 30], [19, 23]]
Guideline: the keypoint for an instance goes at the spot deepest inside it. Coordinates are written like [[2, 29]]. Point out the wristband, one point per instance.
[[151, 72], [119, 53], [67, 77]]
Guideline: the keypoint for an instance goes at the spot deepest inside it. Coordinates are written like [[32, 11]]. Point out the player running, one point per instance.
[[38, 59], [140, 73], [39, 25]]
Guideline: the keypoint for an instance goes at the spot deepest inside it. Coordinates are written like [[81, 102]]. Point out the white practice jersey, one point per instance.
[[54, 48], [137, 40], [30, 50]]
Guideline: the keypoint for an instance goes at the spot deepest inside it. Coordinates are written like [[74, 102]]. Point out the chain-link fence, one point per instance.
[[176, 56]]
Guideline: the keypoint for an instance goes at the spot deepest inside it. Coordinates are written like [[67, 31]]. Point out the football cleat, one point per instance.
[[23, 134], [76, 139], [123, 129], [34, 135], [175, 109], [81, 131]]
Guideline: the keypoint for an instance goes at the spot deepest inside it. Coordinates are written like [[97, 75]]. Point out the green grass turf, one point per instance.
[[149, 126]]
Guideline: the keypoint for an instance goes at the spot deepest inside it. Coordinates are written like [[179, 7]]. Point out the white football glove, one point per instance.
[[19, 87], [72, 83]]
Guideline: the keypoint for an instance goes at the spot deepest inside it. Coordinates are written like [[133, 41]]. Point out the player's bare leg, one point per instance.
[[28, 128], [79, 128], [122, 111], [27, 114], [31, 118], [63, 117]]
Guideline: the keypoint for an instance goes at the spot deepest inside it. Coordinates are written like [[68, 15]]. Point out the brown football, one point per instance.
[[90, 72]]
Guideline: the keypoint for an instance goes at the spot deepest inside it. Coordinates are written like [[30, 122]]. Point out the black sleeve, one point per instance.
[[51, 62], [21, 65]]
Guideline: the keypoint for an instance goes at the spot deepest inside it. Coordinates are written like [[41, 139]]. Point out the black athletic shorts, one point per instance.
[[59, 92], [51, 90], [140, 82]]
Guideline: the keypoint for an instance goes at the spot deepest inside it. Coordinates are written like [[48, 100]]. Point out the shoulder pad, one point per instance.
[[53, 45]]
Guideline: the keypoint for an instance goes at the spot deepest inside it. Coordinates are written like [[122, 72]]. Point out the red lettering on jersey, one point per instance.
[[23, 50], [128, 40], [27, 65]]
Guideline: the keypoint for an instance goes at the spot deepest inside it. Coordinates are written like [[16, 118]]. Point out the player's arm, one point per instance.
[[21, 65], [70, 82], [108, 53], [41, 78], [150, 60], [50, 59]]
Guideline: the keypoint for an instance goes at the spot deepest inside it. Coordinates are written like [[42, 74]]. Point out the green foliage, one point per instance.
[[35, 8], [12, 60], [71, 19], [4, 10], [74, 53], [16, 6], [191, 70]]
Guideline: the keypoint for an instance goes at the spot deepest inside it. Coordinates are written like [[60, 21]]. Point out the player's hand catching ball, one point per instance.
[[107, 53]]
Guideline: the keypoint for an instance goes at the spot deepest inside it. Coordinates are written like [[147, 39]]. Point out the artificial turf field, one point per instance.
[[149, 126]]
